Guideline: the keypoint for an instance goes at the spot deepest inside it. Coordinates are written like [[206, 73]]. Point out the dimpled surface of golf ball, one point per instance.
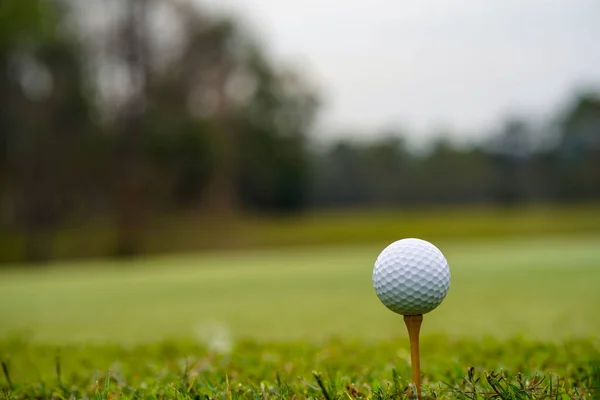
[[411, 277]]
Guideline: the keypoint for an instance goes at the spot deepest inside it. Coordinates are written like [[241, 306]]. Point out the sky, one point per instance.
[[431, 66]]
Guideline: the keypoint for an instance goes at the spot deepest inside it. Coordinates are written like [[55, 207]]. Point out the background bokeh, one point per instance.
[[131, 129]]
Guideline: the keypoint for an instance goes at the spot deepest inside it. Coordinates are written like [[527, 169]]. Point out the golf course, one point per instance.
[[299, 200], [303, 321], [542, 288]]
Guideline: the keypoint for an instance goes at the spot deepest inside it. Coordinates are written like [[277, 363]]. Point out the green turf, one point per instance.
[[300, 370], [303, 323], [544, 288]]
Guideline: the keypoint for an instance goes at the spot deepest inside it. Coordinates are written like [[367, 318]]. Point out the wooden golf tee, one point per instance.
[[413, 324]]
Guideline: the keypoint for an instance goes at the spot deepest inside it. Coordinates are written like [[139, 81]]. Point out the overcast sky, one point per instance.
[[461, 65]]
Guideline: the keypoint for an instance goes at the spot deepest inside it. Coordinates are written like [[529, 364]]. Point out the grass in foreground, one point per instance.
[[332, 370], [262, 325]]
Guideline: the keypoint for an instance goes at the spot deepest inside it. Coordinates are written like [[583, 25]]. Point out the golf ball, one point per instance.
[[411, 277]]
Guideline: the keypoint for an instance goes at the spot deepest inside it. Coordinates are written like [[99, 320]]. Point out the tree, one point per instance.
[[45, 112], [511, 155], [577, 164], [272, 125]]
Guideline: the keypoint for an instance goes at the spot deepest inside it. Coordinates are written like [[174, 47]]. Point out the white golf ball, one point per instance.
[[411, 277]]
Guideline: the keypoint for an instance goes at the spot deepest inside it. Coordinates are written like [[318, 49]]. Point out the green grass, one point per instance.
[[541, 288], [191, 232], [467, 223], [298, 370], [303, 323]]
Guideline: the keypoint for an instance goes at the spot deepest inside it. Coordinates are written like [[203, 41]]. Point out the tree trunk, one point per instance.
[[129, 175], [221, 198]]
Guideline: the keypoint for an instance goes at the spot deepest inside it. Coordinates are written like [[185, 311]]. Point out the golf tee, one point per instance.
[[413, 324]]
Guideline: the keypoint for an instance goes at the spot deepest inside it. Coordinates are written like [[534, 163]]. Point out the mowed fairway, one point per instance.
[[542, 288]]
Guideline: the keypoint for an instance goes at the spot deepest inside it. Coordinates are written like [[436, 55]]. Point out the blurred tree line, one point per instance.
[[128, 110], [521, 163]]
